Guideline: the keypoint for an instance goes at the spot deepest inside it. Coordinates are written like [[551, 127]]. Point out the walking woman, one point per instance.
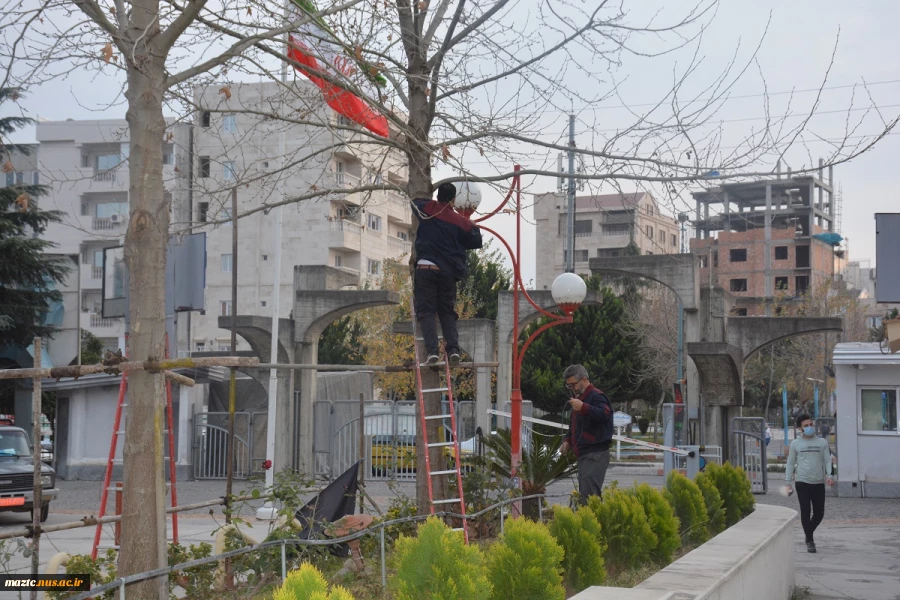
[[810, 457]]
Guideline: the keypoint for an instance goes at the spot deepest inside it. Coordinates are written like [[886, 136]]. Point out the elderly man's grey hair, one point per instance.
[[576, 371]]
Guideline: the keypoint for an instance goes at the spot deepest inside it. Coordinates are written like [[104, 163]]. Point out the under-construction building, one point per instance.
[[768, 240]]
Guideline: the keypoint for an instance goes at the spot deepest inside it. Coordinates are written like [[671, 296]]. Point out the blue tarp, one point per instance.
[[829, 238]]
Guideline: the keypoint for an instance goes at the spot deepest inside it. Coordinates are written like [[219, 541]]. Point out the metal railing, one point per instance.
[[96, 272], [121, 582], [106, 224], [99, 321], [344, 225], [105, 176], [402, 245]]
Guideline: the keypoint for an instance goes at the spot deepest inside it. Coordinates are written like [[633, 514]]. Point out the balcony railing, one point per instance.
[[348, 226], [96, 272], [99, 321], [105, 176], [402, 245], [345, 180], [107, 224]]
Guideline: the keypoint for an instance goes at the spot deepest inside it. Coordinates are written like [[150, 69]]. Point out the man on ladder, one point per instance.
[[442, 239]]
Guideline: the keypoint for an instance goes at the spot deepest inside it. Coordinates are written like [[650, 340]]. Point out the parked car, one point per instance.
[[17, 474]]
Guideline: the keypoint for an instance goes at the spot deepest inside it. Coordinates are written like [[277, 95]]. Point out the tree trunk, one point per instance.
[[143, 518], [662, 399]]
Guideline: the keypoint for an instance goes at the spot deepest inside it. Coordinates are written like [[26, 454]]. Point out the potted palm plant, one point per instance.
[[542, 464]]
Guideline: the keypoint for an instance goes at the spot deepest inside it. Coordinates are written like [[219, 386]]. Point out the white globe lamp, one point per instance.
[[568, 291], [468, 197]]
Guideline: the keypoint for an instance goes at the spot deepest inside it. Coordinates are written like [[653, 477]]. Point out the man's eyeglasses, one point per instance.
[[571, 386]]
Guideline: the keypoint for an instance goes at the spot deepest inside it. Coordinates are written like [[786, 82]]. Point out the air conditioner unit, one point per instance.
[[115, 218]]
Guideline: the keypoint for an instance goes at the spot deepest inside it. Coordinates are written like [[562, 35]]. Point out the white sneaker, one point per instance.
[[455, 358], [432, 359]]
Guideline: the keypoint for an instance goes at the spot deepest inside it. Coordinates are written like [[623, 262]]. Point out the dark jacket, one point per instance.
[[444, 235], [591, 428]]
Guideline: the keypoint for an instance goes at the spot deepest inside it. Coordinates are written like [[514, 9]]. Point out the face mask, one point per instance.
[[809, 431]]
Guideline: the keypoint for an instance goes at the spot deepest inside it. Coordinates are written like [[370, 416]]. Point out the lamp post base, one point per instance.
[[267, 512]]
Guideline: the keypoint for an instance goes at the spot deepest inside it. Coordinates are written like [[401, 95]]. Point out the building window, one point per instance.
[[108, 209], [662, 236], [674, 240], [704, 262], [584, 227], [802, 257], [204, 167], [374, 222], [223, 347], [226, 216], [715, 259], [738, 285], [801, 284], [200, 346], [339, 172], [339, 261], [85, 209], [739, 312], [781, 252], [373, 267], [226, 263], [581, 256], [20, 177], [265, 257], [781, 283], [105, 162], [262, 303], [202, 211], [650, 231], [205, 118], [229, 170], [878, 410], [225, 308], [229, 123], [738, 254], [617, 229], [403, 236]]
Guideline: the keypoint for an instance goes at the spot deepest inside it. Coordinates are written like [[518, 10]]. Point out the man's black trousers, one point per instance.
[[810, 494], [435, 295]]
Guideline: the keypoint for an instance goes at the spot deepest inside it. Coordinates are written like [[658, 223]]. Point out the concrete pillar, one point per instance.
[[183, 455], [308, 353], [767, 246]]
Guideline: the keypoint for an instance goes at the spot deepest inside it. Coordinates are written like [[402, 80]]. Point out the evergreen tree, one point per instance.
[[27, 274], [341, 343], [486, 277], [91, 348], [593, 340]]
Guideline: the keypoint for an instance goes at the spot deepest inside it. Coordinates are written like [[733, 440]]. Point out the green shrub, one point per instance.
[[643, 425], [734, 488], [715, 508], [579, 535], [625, 528], [686, 498], [526, 563], [439, 566], [662, 520], [307, 583]]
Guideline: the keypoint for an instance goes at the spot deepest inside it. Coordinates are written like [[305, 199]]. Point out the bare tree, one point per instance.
[[464, 80]]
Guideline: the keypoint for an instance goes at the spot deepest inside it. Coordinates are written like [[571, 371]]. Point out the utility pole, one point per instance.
[[570, 214]]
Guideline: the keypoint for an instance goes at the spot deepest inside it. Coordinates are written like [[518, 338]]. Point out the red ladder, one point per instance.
[[118, 430], [454, 440]]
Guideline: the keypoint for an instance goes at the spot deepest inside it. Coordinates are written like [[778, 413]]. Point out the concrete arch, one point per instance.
[[257, 331], [752, 334], [315, 310], [678, 272], [527, 313]]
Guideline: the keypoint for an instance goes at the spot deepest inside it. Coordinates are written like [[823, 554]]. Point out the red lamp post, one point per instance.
[[568, 290]]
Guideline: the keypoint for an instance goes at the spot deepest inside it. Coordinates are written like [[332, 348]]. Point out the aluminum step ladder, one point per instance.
[[446, 388]]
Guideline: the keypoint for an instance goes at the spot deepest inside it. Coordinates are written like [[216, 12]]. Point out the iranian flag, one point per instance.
[[311, 47]]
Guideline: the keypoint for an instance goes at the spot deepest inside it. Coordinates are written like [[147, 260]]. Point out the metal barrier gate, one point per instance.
[[210, 445], [748, 450]]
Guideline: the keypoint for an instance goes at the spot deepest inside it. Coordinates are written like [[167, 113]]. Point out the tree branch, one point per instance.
[[165, 40]]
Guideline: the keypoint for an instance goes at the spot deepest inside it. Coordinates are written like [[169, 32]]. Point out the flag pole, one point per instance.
[[268, 511]]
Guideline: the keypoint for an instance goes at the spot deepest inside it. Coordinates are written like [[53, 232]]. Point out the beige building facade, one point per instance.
[[604, 226]]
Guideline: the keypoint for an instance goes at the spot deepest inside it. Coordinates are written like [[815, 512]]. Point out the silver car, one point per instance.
[[17, 474]]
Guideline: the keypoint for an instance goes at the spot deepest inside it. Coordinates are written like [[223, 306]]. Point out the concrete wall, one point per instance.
[[753, 559], [868, 462]]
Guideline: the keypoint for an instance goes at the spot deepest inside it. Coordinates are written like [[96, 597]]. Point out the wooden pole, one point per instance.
[[153, 366], [37, 499]]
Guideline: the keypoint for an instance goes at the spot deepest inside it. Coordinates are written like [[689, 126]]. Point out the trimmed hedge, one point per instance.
[[580, 536], [734, 488], [662, 520], [686, 498], [715, 507], [526, 563], [625, 528]]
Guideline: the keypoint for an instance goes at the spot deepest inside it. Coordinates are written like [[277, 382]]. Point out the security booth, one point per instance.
[[868, 420]]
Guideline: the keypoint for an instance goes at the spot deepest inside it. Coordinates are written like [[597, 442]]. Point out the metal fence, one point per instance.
[[121, 583], [210, 445], [748, 450]]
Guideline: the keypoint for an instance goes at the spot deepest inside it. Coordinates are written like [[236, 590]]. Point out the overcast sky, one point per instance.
[[795, 55]]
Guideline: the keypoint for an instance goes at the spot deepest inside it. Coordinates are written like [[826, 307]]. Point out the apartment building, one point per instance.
[[237, 149], [85, 166], [604, 225], [767, 240]]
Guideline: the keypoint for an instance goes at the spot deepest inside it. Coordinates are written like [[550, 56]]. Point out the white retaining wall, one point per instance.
[[751, 560]]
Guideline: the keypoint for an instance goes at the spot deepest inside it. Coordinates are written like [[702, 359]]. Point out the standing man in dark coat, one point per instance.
[[590, 431], [441, 243]]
